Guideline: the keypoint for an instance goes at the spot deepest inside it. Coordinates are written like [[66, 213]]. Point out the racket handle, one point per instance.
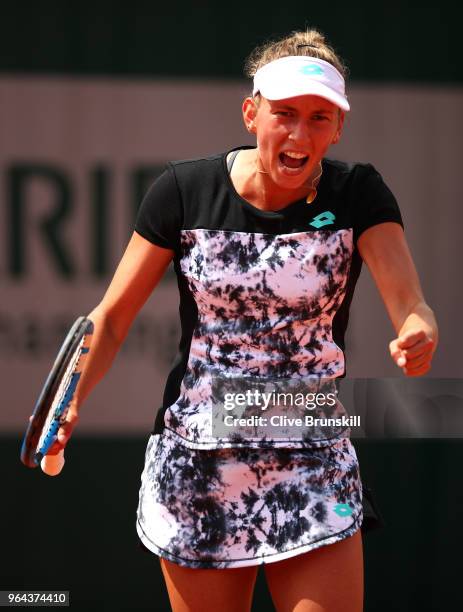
[[53, 464]]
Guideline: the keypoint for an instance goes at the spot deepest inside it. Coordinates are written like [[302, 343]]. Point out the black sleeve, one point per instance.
[[374, 202], [160, 216]]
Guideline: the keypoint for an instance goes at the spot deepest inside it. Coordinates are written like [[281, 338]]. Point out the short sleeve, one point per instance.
[[374, 202], [159, 218]]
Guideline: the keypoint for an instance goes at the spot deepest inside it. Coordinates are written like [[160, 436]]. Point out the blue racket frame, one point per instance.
[[31, 455]]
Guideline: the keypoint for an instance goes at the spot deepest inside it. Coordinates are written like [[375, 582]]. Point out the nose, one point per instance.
[[300, 133]]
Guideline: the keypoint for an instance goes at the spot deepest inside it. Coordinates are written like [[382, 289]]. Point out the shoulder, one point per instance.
[[365, 197], [209, 165], [353, 176], [193, 167]]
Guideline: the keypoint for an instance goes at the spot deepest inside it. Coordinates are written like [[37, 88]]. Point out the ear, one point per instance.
[[249, 109], [339, 129]]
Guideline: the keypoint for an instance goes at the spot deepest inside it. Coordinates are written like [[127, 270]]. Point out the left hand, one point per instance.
[[412, 351]]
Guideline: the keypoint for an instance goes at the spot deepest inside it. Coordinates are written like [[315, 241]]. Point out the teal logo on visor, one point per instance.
[[312, 70]]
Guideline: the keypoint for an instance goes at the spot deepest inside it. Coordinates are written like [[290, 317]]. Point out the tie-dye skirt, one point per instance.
[[236, 507]]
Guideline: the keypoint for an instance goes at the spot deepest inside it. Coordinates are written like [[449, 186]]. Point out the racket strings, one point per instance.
[[59, 406]]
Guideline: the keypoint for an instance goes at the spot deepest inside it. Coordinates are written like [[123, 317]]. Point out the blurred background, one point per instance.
[[94, 100]]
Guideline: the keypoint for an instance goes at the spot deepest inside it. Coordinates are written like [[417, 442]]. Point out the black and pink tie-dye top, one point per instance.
[[262, 293]]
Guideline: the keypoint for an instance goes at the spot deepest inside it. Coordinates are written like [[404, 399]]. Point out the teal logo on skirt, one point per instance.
[[343, 509]]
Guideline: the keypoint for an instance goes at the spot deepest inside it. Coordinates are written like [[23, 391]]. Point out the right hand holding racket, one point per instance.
[[53, 462], [55, 414]]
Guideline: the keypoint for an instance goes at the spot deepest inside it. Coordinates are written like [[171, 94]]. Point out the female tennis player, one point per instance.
[[267, 242]]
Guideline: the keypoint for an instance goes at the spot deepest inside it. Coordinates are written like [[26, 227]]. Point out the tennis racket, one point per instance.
[[55, 398]]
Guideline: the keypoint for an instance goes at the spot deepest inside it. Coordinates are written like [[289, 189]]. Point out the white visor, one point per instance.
[[292, 76]]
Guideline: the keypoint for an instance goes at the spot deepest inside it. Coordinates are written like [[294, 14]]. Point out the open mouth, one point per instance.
[[293, 159]]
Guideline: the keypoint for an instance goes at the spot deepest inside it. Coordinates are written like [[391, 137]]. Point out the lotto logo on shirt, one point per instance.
[[324, 218]]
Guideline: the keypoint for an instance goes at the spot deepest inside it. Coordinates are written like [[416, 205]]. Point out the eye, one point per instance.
[[320, 117], [283, 113]]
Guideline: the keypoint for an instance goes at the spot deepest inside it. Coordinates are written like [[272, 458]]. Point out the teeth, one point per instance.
[[295, 155]]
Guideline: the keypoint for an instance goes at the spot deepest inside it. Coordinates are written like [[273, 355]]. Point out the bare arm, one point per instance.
[[139, 271], [385, 251]]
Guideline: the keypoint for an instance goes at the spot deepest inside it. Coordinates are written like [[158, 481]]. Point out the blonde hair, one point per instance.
[[311, 43]]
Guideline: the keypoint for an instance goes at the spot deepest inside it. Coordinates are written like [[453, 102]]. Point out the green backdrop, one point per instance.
[[380, 40]]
